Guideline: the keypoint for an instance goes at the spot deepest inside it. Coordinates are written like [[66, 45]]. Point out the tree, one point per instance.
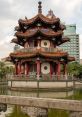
[[80, 72], [4, 70], [73, 68]]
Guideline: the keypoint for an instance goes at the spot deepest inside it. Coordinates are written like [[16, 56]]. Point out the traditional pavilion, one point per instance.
[[40, 38]]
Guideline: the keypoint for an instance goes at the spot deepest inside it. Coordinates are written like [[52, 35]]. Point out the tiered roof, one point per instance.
[[40, 25], [48, 27], [39, 52]]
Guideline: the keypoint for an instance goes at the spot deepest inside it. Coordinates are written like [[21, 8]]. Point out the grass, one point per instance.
[[17, 113], [57, 113]]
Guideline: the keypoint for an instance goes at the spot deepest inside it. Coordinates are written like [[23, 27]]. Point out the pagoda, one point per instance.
[[40, 37]]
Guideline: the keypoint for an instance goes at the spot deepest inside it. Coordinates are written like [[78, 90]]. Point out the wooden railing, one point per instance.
[[41, 77], [43, 49]]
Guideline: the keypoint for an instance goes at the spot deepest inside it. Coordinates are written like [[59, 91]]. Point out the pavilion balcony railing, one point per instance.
[[43, 49], [33, 77]]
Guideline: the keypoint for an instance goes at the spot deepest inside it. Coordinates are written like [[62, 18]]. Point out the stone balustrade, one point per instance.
[[74, 106]]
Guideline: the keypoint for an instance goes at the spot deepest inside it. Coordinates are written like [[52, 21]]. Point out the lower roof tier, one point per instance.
[[40, 53]]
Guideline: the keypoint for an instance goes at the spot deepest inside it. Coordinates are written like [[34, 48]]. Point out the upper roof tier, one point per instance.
[[45, 32], [50, 20], [39, 17], [40, 27]]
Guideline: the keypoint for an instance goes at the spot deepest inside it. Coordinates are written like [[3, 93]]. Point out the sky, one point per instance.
[[69, 11]]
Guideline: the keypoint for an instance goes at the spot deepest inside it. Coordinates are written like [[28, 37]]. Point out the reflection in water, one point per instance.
[[41, 94], [5, 91], [75, 94]]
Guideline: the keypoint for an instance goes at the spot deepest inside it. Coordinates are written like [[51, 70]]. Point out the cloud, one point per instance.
[[69, 11]]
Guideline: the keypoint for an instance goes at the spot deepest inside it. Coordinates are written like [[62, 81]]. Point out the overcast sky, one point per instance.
[[69, 11]]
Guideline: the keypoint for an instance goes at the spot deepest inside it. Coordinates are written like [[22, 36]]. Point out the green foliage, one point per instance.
[[74, 68], [4, 70], [17, 113], [57, 113], [77, 95]]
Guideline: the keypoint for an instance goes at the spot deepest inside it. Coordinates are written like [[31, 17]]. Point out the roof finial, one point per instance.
[[39, 7]]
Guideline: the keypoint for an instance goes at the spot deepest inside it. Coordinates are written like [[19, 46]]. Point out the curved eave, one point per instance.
[[41, 18], [38, 53], [64, 40], [62, 27], [70, 59], [44, 32], [17, 42], [14, 40]]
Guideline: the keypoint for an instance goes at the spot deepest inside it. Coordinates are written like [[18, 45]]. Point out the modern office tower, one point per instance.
[[72, 47]]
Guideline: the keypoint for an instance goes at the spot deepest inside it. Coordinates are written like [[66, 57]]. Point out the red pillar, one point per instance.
[[26, 68], [58, 70], [22, 69], [38, 68], [55, 68], [26, 45], [51, 70], [65, 70], [16, 68], [19, 68]]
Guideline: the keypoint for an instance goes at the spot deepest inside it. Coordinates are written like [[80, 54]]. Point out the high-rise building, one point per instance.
[[72, 47]]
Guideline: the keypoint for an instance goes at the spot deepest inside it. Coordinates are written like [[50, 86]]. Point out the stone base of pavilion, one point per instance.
[[25, 84]]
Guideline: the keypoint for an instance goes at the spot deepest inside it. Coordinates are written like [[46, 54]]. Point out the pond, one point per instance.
[[73, 94]]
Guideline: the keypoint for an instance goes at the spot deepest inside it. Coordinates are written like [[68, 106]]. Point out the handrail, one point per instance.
[[70, 105], [41, 77], [43, 49]]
